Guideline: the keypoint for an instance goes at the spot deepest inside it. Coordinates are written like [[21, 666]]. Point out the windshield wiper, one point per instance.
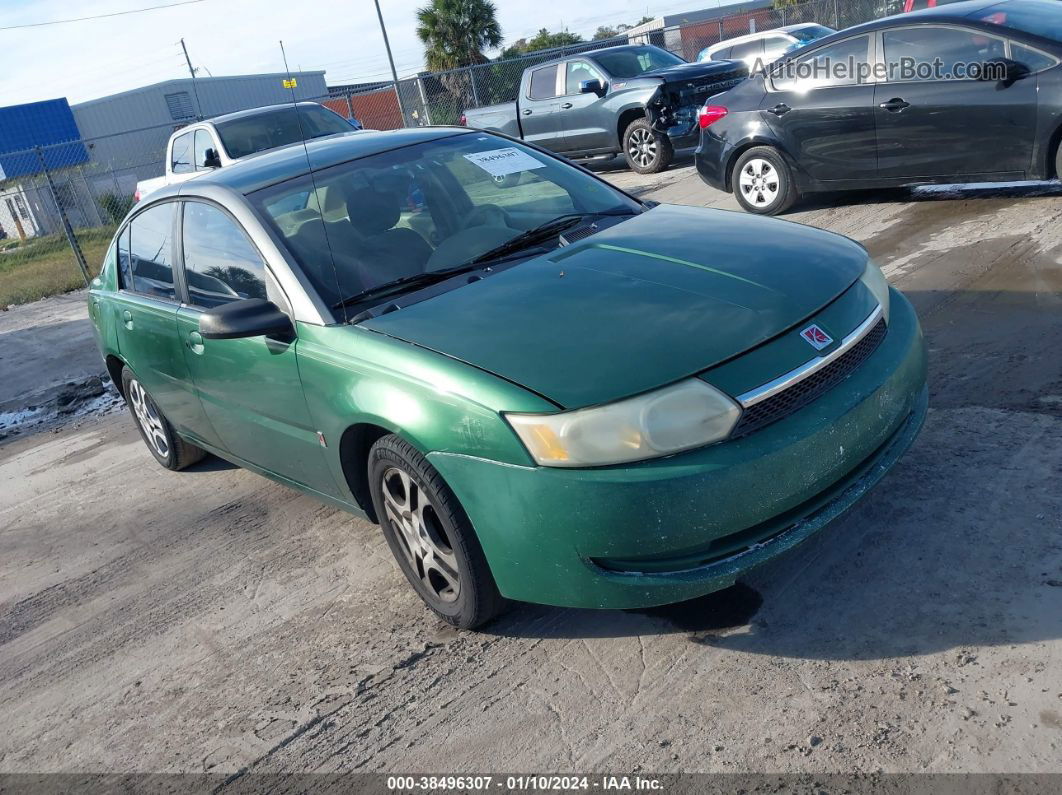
[[404, 284], [541, 233]]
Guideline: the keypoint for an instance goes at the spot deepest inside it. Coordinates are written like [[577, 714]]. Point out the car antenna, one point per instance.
[[290, 84]]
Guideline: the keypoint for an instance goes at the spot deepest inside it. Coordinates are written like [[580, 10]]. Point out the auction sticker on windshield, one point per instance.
[[499, 162]]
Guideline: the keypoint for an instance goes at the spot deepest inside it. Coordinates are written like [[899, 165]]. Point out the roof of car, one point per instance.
[[593, 53], [955, 12], [243, 114], [277, 165]]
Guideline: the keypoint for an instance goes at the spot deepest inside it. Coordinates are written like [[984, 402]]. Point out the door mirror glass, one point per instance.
[[592, 87], [251, 317]]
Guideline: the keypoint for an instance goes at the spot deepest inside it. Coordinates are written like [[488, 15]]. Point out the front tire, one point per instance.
[[647, 151], [162, 441], [763, 182], [430, 535]]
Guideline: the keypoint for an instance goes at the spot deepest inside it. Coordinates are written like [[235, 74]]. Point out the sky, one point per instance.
[[84, 60]]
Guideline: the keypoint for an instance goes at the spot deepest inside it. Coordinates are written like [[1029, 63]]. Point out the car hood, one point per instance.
[[664, 295]]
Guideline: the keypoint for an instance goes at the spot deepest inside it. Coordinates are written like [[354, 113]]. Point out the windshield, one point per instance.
[[635, 61], [1032, 16], [424, 208], [278, 127], [811, 33]]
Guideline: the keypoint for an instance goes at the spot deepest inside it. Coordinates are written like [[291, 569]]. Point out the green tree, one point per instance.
[[543, 40], [605, 32], [455, 32]]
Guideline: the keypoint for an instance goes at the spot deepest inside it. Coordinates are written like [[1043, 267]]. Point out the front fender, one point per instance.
[[353, 376]]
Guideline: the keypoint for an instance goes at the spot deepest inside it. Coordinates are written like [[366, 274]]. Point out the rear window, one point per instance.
[[812, 33], [278, 127]]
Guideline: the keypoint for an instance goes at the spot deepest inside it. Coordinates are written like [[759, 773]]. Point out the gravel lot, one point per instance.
[[213, 620]]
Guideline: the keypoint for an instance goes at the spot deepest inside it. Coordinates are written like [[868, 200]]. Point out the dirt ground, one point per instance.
[[215, 621]]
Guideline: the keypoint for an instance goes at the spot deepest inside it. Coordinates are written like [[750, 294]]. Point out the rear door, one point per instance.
[[582, 121], [539, 105], [933, 121], [146, 303], [249, 388], [821, 107]]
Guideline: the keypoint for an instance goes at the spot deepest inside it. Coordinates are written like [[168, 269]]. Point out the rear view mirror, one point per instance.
[[251, 317], [592, 87], [212, 160]]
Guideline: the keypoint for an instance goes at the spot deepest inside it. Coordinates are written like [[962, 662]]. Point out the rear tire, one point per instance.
[[646, 150], [1058, 161], [162, 441], [763, 182], [430, 535]]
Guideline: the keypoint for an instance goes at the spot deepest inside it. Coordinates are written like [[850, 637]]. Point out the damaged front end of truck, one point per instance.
[[672, 109]]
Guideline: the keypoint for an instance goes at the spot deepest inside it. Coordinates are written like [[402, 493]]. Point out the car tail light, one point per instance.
[[136, 195], [710, 114], [464, 120]]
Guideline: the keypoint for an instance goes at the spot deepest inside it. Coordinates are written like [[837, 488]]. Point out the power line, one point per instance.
[[101, 16]]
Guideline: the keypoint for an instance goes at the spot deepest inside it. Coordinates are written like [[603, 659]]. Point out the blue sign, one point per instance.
[[49, 125]]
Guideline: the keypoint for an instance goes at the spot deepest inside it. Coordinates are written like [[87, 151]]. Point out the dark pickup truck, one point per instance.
[[637, 100]]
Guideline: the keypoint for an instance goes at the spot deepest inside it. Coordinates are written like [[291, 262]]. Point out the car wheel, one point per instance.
[[165, 445], [763, 182], [646, 150], [430, 536], [1058, 161]]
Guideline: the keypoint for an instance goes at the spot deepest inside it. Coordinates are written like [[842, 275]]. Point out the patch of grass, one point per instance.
[[45, 266]]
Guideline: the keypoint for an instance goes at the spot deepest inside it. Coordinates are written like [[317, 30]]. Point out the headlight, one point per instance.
[[686, 415], [878, 285]]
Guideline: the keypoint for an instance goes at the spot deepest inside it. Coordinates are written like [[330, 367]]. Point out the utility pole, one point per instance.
[[391, 60], [195, 90]]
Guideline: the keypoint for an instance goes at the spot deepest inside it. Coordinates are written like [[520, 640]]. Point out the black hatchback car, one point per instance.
[[968, 92]]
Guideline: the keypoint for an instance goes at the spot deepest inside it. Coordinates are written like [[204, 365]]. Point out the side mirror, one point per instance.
[[1002, 70], [593, 87], [251, 317], [212, 159]]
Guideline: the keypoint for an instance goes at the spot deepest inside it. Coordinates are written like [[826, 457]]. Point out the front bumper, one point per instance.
[[676, 528]]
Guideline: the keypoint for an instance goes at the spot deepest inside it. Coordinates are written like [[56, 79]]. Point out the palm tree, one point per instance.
[[455, 32]]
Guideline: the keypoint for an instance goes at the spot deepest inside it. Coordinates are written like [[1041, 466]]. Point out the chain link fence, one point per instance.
[[60, 204]]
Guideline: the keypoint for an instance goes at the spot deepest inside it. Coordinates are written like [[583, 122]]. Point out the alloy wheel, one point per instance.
[[641, 147], [147, 415], [421, 534], [759, 183]]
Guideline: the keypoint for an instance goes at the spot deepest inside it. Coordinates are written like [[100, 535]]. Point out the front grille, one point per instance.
[[811, 388]]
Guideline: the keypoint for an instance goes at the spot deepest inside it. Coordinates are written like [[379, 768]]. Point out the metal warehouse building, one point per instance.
[[125, 134]]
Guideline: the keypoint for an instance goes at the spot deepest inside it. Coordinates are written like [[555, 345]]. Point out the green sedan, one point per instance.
[[541, 388]]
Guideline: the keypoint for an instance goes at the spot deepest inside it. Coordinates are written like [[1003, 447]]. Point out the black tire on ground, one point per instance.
[[162, 441], [1058, 161], [646, 150], [430, 535], [763, 182]]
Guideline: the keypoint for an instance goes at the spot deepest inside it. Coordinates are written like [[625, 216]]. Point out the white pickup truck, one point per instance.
[[224, 140]]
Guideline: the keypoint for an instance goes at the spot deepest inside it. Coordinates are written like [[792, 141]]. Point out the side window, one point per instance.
[[579, 71], [841, 64], [181, 157], [150, 259], [911, 52], [1034, 59], [723, 54], [220, 262], [125, 274], [203, 143], [110, 259], [544, 83], [749, 49]]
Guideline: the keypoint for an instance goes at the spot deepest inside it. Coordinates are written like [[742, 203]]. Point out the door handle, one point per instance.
[[566, 105], [127, 319], [780, 108], [195, 342], [894, 105], [527, 111]]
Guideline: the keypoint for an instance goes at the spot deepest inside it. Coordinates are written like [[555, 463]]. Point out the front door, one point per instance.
[[822, 110], [934, 122], [146, 304], [583, 123], [249, 388]]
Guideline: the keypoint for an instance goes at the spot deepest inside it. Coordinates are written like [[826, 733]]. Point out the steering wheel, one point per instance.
[[488, 215]]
